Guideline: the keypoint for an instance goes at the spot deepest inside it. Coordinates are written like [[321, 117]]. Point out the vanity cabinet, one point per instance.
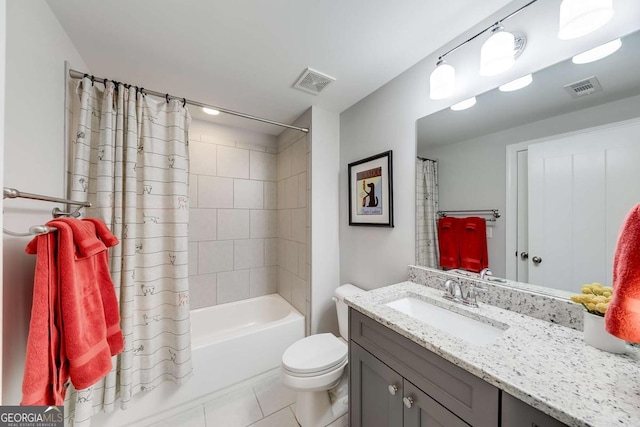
[[395, 382], [383, 398]]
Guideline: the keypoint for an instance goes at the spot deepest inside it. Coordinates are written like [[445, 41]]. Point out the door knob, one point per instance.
[[408, 401], [524, 255], [536, 260], [393, 389]]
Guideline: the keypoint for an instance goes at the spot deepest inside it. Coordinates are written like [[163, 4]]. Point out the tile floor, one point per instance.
[[259, 402]]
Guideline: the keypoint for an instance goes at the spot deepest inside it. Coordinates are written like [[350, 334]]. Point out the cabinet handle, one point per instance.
[[536, 260], [408, 401], [524, 255], [393, 389]]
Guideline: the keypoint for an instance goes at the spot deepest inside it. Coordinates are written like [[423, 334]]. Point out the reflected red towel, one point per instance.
[[448, 242], [623, 315], [472, 234], [73, 276]]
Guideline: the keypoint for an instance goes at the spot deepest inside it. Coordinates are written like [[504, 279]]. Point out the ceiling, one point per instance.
[[245, 55]]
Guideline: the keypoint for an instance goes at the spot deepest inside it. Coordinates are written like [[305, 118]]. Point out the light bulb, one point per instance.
[[463, 105], [598, 52], [497, 54], [442, 81], [581, 17], [210, 111], [516, 84]]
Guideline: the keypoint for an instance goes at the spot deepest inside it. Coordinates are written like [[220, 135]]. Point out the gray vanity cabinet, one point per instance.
[[395, 382], [516, 413], [376, 391], [383, 398]]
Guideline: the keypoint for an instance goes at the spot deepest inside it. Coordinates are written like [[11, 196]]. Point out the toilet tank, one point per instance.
[[342, 308]]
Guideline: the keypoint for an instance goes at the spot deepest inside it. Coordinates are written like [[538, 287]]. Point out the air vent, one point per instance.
[[312, 81], [584, 87]]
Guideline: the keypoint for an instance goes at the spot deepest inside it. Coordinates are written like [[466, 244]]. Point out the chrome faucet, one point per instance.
[[453, 292], [484, 273]]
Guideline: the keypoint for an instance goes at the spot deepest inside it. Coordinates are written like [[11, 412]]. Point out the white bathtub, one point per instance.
[[230, 343]]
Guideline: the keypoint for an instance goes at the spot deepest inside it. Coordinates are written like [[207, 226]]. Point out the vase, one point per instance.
[[597, 336]]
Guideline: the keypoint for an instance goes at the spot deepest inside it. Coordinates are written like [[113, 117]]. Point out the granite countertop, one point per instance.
[[548, 366]]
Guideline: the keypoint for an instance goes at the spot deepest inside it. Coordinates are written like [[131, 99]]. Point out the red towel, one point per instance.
[[623, 315], [448, 242], [74, 327], [472, 238]]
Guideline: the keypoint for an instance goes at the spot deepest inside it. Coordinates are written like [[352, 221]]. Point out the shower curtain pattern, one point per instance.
[[427, 251], [131, 162]]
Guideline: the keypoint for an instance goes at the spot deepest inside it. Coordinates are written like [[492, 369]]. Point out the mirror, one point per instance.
[[558, 159]]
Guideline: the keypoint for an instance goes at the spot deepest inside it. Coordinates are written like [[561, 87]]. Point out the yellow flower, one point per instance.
[[607, 294], [602, 307], [598, 290], [579, 299], [596, 284], [591, 306], [599, 299], [586, 289], [608, 289]]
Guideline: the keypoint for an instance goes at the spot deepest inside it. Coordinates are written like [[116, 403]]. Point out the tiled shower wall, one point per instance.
[[294, 223], [233, 221]]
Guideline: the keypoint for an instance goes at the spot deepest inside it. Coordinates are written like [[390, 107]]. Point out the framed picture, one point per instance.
[[371, 191]]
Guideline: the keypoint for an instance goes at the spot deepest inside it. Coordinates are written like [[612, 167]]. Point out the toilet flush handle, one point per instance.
[[393, 389]]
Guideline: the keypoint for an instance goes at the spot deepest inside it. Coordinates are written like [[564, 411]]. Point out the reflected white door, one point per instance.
[[522, 245], [581, 186]]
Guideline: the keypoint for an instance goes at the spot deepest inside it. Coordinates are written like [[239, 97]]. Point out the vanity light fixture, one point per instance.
[[581, 17], [516, 84], [498, 54], [442, 81], [210, 111], [597, 52], [463, 105]]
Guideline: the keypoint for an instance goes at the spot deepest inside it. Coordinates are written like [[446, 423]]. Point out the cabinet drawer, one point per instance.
[[516, 413], [467, 396]]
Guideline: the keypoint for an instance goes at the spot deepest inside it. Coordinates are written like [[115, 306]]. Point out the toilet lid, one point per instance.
[[314, 353]]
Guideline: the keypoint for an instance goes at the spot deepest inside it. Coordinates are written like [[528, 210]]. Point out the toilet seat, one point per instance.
[[315, 355]]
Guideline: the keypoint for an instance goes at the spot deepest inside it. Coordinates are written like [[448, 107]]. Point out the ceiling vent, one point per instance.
[[584, 87], [312, 81]]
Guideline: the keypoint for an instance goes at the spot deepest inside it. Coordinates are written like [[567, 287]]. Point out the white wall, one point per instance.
[[36, 49], [325, 220], [233, 216], [473, 172], [386, 119], [3, 33]]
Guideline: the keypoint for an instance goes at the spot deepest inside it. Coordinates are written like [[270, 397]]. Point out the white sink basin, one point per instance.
[[463, 327]]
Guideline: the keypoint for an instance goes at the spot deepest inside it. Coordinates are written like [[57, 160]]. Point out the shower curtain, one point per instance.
[[427, 205], [131, 162]]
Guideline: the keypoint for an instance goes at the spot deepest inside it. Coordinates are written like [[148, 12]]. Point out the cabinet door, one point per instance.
[[423, 411], [373, 400], [516, 413]]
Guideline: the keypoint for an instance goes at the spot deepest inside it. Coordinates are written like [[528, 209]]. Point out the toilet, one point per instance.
[[316, 364]]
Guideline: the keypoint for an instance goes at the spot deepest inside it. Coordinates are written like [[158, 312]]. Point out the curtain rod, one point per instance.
[[74, 74], [424, 158]]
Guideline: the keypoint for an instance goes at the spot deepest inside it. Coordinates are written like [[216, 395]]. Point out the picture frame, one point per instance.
[[371, 191]]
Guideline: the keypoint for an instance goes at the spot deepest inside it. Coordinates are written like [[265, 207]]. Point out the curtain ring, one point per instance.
[[184, 102], [167, 97], [142, 91], [93, 80]]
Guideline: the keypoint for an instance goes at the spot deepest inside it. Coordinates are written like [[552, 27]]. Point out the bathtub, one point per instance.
[[230, 343]]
